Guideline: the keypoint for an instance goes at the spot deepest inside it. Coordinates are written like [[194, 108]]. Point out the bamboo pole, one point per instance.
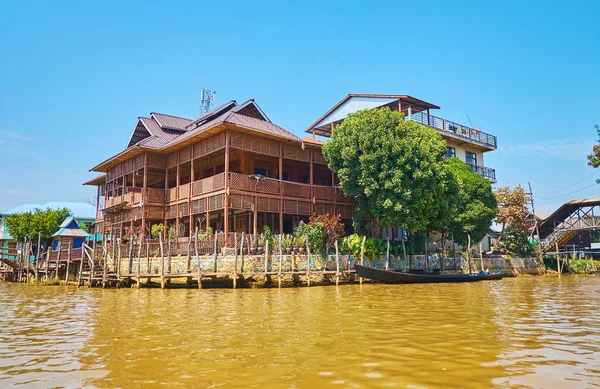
[[404, 252], [307, 261], [130, 264], [198, 258], [148, 260], [189, 255], [280, 261], [362, 256], [139, 262], [37, 257], [557, 259], [242, 252], [20, 262], [481, 256], [58, 259], [68, 263], [168, 253], [162, 261], [235, 262], [105, 262], [215, 254], [119, 258], [337, 264], [47, 272], [266, 260]]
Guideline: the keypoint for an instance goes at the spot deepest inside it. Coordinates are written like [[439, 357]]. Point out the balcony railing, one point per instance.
[[486, 172], [460, 130], [287, 188]]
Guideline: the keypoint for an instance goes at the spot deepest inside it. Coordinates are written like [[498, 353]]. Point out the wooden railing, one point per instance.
[[461, 130], [272, 186]]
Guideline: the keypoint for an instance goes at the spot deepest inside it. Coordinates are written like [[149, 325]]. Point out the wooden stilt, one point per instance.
[[37, 256], [130, 263], [387, 255], [198, 258], [189, 257], [557, 259], [235, 263], [215, 254], [307, 261], [57, 260], [362, 256], [162, 260], [242, 252], [266, 260], [337, 264], [80, 268], [47, 270], [68, 262], [280, 261], [481, 256], [139, 262]]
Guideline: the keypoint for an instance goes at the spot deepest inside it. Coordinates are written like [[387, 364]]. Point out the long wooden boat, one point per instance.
[[397, 277]]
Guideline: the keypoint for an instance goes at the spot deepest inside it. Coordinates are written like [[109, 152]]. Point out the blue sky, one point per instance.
[[74, 76]]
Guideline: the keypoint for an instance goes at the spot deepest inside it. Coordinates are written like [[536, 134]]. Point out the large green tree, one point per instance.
[[477, 205], [394, 168], [29, 224]]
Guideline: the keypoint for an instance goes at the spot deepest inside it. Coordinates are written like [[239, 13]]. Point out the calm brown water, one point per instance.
[[537, 332]]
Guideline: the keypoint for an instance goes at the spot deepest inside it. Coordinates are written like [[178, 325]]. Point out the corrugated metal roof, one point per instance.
[[72, 232], [160, 137]]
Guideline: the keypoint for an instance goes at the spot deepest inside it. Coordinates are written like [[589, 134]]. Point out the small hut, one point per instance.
[[70, 232]]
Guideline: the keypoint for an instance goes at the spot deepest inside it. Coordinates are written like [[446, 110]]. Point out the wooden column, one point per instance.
[[334, 192], [311, 154], [226, 196], [281, 189], [178, 182], [192, 173], [144, 195], [166, 192]]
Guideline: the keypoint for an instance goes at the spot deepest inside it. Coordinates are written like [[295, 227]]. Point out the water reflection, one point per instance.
[[527, 332]]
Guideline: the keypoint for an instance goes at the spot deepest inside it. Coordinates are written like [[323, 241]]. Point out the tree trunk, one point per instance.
[[442, 262]]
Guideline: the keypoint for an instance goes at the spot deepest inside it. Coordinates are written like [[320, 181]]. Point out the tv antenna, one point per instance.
[[207, 99]]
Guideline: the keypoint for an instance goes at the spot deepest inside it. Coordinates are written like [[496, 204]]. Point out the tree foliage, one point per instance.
[[30, 224], [594, 157], [395, 169], [477, 205], [332, 227], [512, 209]]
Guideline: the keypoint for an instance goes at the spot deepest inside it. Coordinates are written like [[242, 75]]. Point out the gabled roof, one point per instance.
[[69, 222], [70, 228], [170, 121], [358, 101], [167, 132]]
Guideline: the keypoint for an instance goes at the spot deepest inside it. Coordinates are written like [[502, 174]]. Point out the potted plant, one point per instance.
[[301, 240]]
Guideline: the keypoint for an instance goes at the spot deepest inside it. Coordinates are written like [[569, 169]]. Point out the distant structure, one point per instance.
[[207, 99]]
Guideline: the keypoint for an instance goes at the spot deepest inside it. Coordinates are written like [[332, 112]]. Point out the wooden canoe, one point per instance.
[[397, 277]]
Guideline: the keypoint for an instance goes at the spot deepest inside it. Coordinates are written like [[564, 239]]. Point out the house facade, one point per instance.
[[231, 169], [466, 143], [234, 170]]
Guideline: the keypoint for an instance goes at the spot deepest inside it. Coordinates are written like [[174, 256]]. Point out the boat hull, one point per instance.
[[395, 277]]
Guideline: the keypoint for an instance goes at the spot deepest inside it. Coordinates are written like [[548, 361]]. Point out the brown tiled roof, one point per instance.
[[160, 137], [260, 125], [170, 121]]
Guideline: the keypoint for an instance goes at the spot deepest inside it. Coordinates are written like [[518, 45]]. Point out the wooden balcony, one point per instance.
[[455, 130]]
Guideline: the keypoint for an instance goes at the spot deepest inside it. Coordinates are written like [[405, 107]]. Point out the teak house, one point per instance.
[[231, 169]]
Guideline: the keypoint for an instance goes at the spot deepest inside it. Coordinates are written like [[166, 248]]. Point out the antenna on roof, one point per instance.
[[207, 99]]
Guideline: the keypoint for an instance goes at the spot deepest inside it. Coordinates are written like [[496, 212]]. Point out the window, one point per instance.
[[450, 152], [287, 176], [471, 158]]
